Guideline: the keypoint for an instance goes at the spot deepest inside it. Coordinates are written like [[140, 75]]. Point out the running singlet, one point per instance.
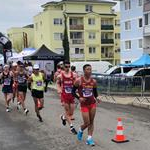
[[67, 85], [22, 79], [86, 91], [7, 80], [38, 83]]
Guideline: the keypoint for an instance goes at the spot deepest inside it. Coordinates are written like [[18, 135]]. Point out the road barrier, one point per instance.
[[108, 86]]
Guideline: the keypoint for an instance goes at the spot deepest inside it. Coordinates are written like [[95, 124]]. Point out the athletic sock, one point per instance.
[[89, 137]]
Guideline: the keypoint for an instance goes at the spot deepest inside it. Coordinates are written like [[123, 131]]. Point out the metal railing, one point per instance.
[[110, 86]]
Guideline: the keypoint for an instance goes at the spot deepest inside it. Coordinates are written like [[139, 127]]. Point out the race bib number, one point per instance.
[[68, 90], [6, 81], [39, 83], [21, 80], [87, 92]]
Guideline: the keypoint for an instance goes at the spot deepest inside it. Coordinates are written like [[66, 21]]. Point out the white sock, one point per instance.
[[89, 137], [63, 117], [80, 129], [71, 125]]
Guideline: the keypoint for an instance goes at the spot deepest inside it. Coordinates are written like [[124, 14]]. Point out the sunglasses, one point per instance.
[[67, 66]]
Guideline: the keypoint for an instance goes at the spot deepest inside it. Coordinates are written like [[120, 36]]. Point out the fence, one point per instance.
[[139, 87]]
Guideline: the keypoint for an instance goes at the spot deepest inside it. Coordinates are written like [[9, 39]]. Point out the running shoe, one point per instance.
[[8, 109], [18, 105], [90, 142], [80, 135], [73, 130], [63, 120], [26, 111]]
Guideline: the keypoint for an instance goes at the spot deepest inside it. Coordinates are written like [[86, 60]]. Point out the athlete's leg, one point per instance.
[[92, 113], [86, 120]]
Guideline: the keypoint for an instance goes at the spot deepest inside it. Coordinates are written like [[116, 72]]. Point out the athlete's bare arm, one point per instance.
[[58, 84]]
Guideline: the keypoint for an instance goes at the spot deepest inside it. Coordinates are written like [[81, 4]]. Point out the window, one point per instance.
[[92, 50], [140, 2], [117, 35], [128, 61], [76, 35], [117, 22], [91, 21], [79, 51], [140, 23], [140, 43], [146, 19], [91, 35], [127, 4], [127, 45], [88, 8], [57, 21], [128, 25], [58, 36]]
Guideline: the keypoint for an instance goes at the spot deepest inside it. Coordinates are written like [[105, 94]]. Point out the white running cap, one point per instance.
[[14, 64], [36, 66]]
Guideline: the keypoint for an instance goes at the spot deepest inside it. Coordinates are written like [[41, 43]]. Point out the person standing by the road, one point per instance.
[[64, 87], [87, 95], [37, 89], [22, 78], [7, 81]]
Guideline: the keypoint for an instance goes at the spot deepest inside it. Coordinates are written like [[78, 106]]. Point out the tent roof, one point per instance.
[[43, 53], [143, 61]]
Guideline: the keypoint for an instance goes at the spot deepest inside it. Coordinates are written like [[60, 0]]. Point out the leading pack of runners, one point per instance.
[[17, 79]]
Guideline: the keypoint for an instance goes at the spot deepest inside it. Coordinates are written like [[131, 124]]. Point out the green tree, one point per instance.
[[66, 41]]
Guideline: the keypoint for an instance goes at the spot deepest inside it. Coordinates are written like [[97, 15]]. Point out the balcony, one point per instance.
[[107, 55], [77, 41], [107, 27], [146, 6], [76, 27], [107, 41], [77, 56], [146, 30]]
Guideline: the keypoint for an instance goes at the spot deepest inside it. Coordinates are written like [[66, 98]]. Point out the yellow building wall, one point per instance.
[[45, 33], [16, 37]]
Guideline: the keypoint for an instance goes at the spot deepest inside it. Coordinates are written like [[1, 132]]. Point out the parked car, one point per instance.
[[118, 70], [138, 72]]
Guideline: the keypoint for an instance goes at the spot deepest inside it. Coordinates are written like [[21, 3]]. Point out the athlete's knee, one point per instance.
[[87, 123]]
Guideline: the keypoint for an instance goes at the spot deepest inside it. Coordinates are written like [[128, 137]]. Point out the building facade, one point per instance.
[[131, 30], [21, 37], [146, 28], [92, 27]]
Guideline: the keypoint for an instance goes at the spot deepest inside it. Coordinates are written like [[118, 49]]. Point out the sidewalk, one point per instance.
[[143, 102]]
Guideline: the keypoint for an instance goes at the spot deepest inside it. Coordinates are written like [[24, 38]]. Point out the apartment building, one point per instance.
[[21, 37], [92, 27], [131, 30], [146, 27]]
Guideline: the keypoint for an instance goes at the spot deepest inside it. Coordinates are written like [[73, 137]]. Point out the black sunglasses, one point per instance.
[[67, 66]]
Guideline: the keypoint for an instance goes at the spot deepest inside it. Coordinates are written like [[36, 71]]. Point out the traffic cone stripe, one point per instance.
[[119, 123], [119, 132], [119, 127]]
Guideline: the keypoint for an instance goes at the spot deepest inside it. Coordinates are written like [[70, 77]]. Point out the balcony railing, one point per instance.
[[77, 41], [147, 30], [147, 6], [107, 55], [76, 27], [107, 41], [107, 27], [77, 56]]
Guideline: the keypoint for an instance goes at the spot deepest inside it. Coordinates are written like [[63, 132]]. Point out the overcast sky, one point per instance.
[[18, 13]]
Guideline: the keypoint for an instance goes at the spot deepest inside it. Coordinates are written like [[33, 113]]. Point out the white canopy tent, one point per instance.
[[19, 56]]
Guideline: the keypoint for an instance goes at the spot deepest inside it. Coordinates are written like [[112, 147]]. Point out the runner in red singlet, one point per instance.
[[87, 95], [65, 83]]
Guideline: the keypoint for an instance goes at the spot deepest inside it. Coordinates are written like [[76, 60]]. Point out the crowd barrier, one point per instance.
[[110, 86]]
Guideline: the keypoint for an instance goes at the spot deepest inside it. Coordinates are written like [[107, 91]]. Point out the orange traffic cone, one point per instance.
[[120, 138]]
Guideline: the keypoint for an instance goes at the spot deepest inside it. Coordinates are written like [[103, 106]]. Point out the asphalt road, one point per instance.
[[20, 132]]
